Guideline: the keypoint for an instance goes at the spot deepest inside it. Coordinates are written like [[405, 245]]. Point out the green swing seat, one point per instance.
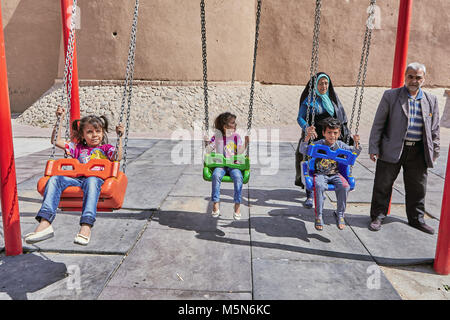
[[216, 160]]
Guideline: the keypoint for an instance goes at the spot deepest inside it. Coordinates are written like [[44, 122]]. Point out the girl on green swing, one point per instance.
[[229, 143]]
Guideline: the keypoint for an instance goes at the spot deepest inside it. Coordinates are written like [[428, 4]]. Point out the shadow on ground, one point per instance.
[[28, 273]]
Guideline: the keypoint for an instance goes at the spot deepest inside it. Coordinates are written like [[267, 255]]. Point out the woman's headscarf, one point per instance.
[[327, 98], [339, 111], [326, 102]]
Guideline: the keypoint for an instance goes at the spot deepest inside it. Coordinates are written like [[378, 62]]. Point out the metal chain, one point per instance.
[[128, 86], [362, 69], [314, 64], [67, 81], [205, 67], [252, 86]]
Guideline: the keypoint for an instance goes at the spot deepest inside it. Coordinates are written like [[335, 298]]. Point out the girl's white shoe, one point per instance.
[[45, 234], [80, 239], [215, 214]]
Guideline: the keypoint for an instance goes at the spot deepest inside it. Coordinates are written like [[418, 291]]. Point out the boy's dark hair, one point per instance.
[[95, 121], [331, 123], [222, 119]]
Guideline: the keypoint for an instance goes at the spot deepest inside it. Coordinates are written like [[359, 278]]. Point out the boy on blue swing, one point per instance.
[[327, 170]]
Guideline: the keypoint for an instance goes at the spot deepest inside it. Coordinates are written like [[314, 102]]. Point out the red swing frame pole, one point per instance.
[[66, 14], [8, 183], [442, 257], [401, 49], [401, 45]]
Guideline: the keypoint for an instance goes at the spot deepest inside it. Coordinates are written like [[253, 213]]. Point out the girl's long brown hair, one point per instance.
[[95, 121], [222, 119]]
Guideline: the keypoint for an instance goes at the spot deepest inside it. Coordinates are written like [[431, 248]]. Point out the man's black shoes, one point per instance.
[[375, 225], [423, 227]]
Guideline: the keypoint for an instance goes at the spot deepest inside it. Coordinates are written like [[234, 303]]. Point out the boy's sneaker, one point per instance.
[[308, 203], [237, 216], [215, 214], [340, 220]]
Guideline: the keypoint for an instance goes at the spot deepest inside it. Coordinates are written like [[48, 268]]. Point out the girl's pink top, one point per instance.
[[84, 153], [228, 146]]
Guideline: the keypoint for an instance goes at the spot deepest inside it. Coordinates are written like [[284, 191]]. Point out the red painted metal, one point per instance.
[[442, 258], [401, 46], [66, 10], [401, 49], [8, 183]]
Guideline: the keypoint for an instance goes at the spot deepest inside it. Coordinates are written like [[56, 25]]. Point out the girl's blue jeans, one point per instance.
[[236, 176], [91, 187]]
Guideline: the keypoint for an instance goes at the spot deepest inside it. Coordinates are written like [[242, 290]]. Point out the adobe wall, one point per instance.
[[169, 43]]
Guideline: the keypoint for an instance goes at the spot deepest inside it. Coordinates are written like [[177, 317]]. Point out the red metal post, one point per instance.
[[66, 9], [442, 258], [8, 183], [401, 46], [401, 49]]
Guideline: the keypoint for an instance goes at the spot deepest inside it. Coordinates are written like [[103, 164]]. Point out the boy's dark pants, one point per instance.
[[415, 179]]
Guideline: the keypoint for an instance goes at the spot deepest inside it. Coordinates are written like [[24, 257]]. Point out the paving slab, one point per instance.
[[119, 293], [195, 186], [160, 158], [396, 243], [271, 162], [24, 146], [141, 143], [194, 169], [328, 279], [418, 282], [434, 183], [433, 204], [363, 193], [54, 276], [363, 209], [110, 234], [194, 213], [277, 178], [295, 237], [361, 172], [262, 199], [149, 185], [185, 260], [275, 202], [441, 163], [367, 163], [30, 166], [30, 183]]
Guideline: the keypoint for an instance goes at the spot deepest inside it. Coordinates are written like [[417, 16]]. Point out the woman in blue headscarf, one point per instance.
[[327, 105]]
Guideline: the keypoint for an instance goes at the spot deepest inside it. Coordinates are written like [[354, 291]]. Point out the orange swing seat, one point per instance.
[[113, 189]]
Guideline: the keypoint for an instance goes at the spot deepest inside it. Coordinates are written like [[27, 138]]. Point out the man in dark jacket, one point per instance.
[[405, 133]]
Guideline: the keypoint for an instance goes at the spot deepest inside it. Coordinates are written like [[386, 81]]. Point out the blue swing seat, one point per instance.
[[344, 158]]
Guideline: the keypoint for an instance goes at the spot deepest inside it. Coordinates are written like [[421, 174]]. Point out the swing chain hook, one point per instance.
[[252, 85], [205, 65], [67, 82], [314, 64], [362, 69], [128, 86]]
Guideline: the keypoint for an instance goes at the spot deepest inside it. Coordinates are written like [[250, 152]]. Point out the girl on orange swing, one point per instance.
[[89, 141]]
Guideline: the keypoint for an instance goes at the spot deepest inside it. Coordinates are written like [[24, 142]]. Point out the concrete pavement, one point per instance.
[[163, 243]]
